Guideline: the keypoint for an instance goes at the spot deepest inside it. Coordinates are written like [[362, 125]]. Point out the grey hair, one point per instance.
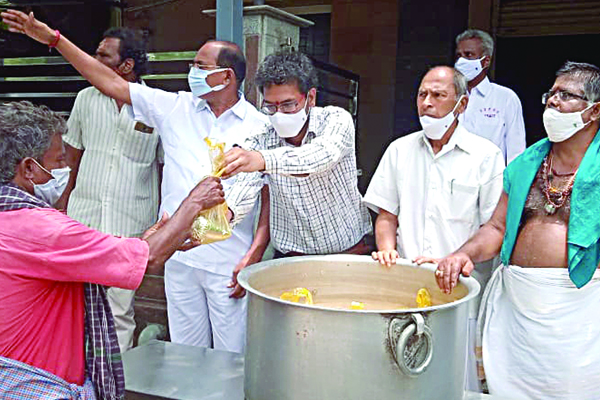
[[487, 43], [588, 74], [285, 68], [460, 83], [26, 130]]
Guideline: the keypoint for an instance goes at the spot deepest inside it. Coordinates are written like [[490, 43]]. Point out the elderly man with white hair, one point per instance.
[[494, 111], [434, 188]]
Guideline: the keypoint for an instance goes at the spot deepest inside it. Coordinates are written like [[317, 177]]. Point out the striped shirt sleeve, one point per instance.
[[73, 137]]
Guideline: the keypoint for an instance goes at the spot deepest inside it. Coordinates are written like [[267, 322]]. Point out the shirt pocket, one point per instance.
[[139, 147], [463, 202]]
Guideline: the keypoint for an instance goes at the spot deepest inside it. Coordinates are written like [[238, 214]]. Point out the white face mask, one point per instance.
[[51, 191], [289, 125], [469, 68], [197, 81], [435, 128], [561, 126]]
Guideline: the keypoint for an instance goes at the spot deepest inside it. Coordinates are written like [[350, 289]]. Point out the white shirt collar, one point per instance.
[[458, 139], [239, 108], [483, 87]]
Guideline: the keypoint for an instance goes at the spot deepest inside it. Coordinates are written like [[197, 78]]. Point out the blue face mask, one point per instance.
[[197, 81]]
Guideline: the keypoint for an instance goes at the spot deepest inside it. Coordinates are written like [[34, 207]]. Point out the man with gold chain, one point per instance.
[[538, 326]]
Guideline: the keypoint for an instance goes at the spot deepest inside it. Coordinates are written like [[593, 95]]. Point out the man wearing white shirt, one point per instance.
[[434, 188], [199, 304], [203, 308], [494, 111]]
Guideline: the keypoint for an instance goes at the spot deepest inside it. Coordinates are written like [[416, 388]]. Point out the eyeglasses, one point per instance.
[[287, 107], [203, 66], [563, 96]]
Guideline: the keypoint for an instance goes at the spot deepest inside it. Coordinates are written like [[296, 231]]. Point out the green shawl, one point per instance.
[[583, 236]]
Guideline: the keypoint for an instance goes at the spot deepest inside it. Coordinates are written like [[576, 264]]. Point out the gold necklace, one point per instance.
[[547, 189]]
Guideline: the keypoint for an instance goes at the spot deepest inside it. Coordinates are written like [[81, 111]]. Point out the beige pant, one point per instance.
[[121, 305]]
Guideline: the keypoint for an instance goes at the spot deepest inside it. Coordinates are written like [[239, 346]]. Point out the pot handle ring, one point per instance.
[[404, 355]]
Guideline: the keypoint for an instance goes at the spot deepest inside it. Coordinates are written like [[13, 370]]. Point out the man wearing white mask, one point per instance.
[[538, 330], [116, 164], [308, 159], [204, 308], [494, 111], [57, 337], [434, 188]]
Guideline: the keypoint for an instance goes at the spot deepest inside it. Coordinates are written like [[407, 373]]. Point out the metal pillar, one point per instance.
[[116, 14], [230, 21]]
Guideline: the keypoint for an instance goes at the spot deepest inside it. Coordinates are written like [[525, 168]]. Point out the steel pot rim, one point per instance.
[[242, 278]]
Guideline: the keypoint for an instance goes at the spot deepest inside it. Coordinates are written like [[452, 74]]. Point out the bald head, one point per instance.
[[440, 88], [226, 55], [447, 76]]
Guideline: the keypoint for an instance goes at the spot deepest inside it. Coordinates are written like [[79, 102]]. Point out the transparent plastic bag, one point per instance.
[[212, 225], [298, 295]]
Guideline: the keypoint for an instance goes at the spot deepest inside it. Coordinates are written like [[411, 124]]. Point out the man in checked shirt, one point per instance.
[[307, 157]]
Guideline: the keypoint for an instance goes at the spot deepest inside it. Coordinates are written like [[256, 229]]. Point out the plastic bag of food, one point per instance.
[[423, 298], [298, 295], [212, 225]]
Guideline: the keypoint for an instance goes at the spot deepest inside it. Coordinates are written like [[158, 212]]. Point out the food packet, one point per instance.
[[296, 295], [212, 224], [357, 305], [423, 298]]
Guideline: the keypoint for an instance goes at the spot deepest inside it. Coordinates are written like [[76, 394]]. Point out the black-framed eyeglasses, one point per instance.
[[563, 95], [287, 107]]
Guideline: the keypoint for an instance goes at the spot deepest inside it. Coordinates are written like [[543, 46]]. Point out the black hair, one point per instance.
[[132, 45], [287, 67]]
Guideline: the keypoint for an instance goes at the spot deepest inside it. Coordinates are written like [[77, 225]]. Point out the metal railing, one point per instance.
[[53, 81]]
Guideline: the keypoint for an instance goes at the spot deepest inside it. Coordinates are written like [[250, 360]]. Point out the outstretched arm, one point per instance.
[[167, 236], [102, 77]]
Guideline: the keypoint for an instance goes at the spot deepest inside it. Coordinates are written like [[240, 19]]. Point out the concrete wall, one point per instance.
[[363, 40], [172, 26], [425, 39]]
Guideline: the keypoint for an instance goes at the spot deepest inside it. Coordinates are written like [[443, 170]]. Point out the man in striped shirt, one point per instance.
[[114, 161], [307, 156]]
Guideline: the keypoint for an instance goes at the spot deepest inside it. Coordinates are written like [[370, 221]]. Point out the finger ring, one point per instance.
[[439, 272]]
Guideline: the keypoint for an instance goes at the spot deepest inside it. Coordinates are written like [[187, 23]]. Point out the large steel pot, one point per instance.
[[300, 352]]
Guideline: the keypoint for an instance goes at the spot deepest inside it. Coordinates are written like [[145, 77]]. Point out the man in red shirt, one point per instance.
[[57, 336]]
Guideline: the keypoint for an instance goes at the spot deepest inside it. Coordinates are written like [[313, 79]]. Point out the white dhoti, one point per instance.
[[540, 335], [482, 273]]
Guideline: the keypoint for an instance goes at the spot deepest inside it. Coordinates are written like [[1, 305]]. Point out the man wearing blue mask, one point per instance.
[[204, 308], [494, 111], [538, 329], [308, 159]]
